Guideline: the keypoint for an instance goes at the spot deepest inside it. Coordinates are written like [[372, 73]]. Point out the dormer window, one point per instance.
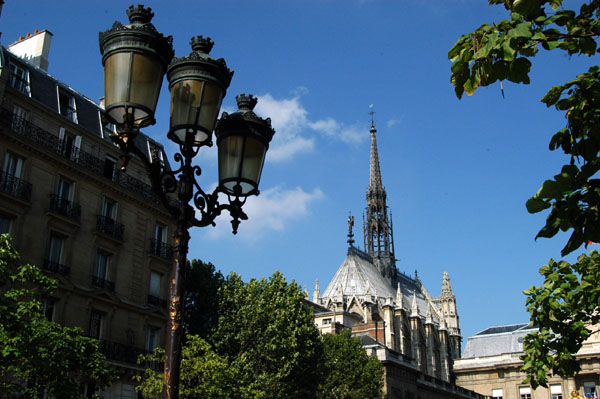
[[106, 127], [19, 79], [155, 152], [66, 105]]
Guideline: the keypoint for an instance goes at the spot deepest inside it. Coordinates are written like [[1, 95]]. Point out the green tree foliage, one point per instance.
[[349, 372], [204, 374], [267, 333], [565, 307], [37, 355], [502, 51], [266, 346], [200, 313]]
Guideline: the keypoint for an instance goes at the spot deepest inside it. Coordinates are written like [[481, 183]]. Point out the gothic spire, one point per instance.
[[316, 292], [377, 225], [446, 287], [375, 172], [414, 309]]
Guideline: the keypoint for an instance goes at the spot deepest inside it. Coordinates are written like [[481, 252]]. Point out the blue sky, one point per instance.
[[457, 173]]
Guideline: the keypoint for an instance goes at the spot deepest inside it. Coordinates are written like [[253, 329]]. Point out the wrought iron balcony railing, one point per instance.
[[15, 187], [110, 227], [121, 352], [103, 283], [64, 207], [157, 301], [161, 249], [22, 127], [55, 267]]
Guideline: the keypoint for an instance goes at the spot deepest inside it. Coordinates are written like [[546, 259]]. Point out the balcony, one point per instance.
[[157, 301], [110, 227], [100, 282], [15, 187], [23, 128], [64, 207], [161, 249], [55, 267], [124, 353]]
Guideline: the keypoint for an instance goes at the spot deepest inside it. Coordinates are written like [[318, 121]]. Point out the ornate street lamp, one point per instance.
[[135, 58]]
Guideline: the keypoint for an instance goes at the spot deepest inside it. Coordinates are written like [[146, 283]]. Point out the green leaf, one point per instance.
[[521, 30], [535, 205]]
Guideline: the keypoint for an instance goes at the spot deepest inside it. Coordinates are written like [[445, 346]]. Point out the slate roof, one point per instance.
[[497, 340], [357, 276], [43, 88]]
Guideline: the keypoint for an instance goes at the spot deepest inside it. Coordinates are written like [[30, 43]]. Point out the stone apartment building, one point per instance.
[[415, 336], [70, 210], [491, 364]]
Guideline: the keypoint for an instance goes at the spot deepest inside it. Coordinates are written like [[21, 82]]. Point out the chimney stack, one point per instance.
[[34, 48]]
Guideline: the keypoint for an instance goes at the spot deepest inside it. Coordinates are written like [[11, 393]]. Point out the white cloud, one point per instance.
[[272, 211], [291, 123]]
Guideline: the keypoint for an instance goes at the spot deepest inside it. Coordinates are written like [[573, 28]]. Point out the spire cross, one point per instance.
[[372, 112], [350, 225]]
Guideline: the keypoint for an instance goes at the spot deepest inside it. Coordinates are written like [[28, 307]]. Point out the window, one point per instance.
[[154, 284], [326, 321], [589, 390], [151, 338], [556, 391], [20, 118], [66, 104], [13, 165], [525, 392], [101, 269], [100, 277], [158, 243], [11, 172], [160, 233], [64, 191], [106, 127], [19, 79], [155, 152], [5, 223], [48, 308], [96, 321], [69, 145], [56, 249], [109, 209], [497, 393], [110, 164]]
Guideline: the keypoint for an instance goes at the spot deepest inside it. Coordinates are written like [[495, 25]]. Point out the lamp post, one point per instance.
[[135, 58]]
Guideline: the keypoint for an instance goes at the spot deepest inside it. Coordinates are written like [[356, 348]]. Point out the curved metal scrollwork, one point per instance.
[[182, 182]]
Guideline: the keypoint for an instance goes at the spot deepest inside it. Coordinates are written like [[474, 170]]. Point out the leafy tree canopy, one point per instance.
[[568, 302], [200, 313], [38, 356], [265, 345], [501, 51], [349, 372], [565, 308]]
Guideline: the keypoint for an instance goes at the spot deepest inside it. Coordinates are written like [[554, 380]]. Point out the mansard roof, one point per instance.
[[358, 277], [44, 90], [497, 340]]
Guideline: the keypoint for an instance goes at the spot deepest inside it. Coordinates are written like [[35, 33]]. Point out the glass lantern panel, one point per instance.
[[186, 104], [116, 83], [230, 159], [146, 81], [254, 155], [211, 104]]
